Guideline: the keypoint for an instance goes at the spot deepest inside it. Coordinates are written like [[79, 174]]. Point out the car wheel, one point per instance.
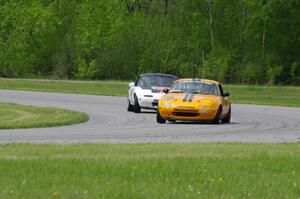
[[136, 106], [218, 117], [228, 116], [159, 119], [129, 107]]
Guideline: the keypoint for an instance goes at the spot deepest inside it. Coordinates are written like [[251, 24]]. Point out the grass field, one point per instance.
[[267, 95], [112, 88], [150, 171], [19, 116]]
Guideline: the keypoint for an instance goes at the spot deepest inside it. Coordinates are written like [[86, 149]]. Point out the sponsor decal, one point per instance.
[[186, 110], [198, 81], [158, 88], [186, 107], [206, 83]]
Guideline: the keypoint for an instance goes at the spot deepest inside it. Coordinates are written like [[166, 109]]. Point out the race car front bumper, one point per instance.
[[149, 102], [172, 113]]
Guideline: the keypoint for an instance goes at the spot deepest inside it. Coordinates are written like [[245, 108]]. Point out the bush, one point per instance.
[[273, 73], [217, 66], [252, 73], [295, 73], [85, 70]]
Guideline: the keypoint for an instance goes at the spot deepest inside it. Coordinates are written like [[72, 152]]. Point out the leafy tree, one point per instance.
[[234, 41]]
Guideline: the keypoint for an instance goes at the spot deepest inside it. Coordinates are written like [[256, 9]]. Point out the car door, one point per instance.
[[225, 100]]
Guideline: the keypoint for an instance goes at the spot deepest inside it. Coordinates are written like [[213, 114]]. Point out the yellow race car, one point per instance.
[[195, 100]]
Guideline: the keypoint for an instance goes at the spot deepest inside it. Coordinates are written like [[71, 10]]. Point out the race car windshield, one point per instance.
[[195, 87], [147, 82]]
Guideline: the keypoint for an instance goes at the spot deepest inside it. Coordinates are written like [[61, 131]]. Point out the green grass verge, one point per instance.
[[150, 171], [266, 95], [111, 88], [18, 116]]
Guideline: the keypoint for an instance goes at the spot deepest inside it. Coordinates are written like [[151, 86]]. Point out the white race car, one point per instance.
[[147, 89]]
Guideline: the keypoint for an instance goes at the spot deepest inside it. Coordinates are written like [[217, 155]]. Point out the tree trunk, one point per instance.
[[263, 45], [242, 47], [211, 23], [244, 24], [166, 6], [203, 57], [263, 41]]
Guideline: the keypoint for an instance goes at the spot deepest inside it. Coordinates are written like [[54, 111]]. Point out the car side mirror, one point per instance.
[[166, 90], [226, 94], [131, 84]]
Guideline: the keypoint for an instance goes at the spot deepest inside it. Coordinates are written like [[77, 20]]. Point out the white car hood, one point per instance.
[[142, 92]]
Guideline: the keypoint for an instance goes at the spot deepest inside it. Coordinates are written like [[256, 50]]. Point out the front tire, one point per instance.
[[218, 117], [159, 119], [228, 117], [136, 106], [129, 107]]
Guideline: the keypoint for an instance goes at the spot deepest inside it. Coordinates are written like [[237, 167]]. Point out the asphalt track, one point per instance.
[[111, 123]]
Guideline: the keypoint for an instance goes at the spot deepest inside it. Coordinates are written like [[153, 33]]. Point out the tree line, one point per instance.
[[233, 41]]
